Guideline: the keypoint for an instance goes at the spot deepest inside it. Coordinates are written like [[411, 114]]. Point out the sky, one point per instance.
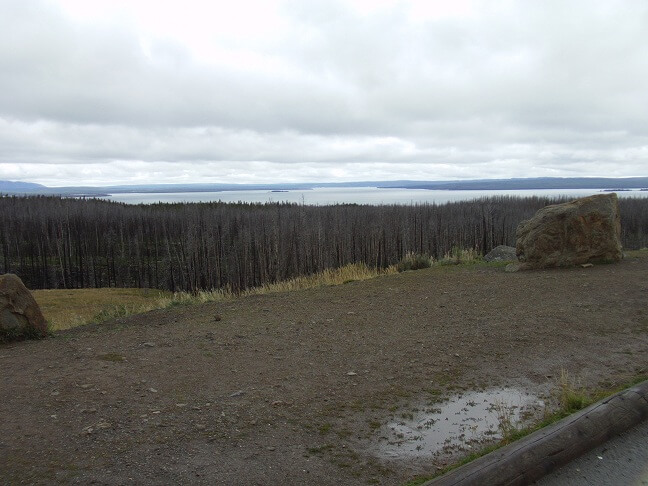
[[100, 92]]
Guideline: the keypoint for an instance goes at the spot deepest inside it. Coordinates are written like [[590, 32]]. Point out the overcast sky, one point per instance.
[[137, 91]]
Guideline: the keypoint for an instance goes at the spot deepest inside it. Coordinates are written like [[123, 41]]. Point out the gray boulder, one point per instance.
[[20, 316], [581, 231], [501, 253]]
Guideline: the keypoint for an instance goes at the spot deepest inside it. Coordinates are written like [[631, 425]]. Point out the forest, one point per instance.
[[56, 242]]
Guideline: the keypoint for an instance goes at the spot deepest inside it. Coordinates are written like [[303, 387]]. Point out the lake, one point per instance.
[[325, 196]]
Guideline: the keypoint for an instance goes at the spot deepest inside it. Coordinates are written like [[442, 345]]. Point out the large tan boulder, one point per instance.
[[20, 316], [581, 231]]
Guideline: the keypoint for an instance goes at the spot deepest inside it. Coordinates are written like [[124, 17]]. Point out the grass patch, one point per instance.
[[335, 276], [22, 334], [637, 253], [320, 449], [414, 261], [458, 256], [324, 429], [66, 308]]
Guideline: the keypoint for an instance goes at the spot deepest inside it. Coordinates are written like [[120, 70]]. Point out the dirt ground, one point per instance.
[[295, 388]]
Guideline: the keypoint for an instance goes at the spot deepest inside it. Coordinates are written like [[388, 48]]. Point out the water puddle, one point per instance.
[[458, 424]]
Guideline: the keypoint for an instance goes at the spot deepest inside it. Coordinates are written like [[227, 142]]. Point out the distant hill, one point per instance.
[[17, 186], [534, 183], [474, 184]]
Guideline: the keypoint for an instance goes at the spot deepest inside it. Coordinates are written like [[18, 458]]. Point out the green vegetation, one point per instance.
[[457, 256], [9, 335], [414, 261]]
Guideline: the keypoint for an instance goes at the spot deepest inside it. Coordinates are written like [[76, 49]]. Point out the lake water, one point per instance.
[[359, 195]]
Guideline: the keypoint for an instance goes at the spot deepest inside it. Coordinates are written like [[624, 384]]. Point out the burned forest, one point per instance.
[[54, 242]]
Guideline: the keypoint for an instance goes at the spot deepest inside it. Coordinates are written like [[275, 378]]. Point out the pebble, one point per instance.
[[352, 373]]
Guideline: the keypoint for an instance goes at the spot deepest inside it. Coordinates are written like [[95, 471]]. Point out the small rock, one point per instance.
[[587, 265], [271, 448], [153, 390], [148, 345], [217, 318], [352, 373], [512, 267], [501, 253], [237, 394], [278, 403], [181, 405]]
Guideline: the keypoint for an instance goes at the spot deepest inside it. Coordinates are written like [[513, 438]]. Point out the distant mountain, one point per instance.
[[17, 186], [533, 183], [474, 184]]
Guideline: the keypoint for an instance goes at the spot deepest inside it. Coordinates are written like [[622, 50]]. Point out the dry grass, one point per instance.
[[336, 276], [66, 308], [457, 256]]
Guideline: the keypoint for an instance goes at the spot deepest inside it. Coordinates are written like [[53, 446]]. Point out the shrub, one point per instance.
[[458, 255], [413, 261]]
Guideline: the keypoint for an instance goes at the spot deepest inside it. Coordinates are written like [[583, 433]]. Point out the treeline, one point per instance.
[[53, 242]]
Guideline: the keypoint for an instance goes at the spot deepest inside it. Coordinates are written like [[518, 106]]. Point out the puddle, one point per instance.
[[458, 424]]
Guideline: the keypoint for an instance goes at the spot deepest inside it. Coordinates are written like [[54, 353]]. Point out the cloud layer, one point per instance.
[[323, 90]]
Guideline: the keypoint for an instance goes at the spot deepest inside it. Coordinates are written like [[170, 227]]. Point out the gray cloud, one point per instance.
[[512, 90]]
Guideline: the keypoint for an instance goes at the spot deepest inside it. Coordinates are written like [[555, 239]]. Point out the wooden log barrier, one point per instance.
[[545, 450]]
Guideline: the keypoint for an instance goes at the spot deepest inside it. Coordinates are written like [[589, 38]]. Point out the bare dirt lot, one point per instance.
[[296, 387]]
